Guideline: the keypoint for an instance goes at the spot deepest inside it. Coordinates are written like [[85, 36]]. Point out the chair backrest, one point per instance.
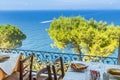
[[54, 72], [57, 69], [26, 67], [46, 70], [49, 72]]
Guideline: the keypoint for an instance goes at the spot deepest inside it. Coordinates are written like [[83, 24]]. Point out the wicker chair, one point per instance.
[[44, 74], [58, 76], [24, 73]]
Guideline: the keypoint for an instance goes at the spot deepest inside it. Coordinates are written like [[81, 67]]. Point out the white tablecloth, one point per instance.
[[71, 75], [8, 65]]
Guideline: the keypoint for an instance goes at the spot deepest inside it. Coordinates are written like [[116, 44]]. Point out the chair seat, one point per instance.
[[16, 76]]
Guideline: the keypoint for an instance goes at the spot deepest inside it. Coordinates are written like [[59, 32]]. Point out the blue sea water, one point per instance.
[[35, 23]]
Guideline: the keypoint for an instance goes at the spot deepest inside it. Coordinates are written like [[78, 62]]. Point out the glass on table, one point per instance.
[[94, 75], [97, 66]]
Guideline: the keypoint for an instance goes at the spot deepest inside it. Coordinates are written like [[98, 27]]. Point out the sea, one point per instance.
[[34, 24]]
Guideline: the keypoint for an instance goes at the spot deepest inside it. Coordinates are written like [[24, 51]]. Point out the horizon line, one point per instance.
[[60, 9]]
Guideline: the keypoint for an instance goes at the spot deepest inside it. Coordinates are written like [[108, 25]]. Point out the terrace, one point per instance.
[[45, 57], [42, 58]]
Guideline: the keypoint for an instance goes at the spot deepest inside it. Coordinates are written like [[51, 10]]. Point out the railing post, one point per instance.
[[119, 50]]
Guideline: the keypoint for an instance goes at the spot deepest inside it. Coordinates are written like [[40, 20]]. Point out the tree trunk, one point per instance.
[[119, 51], [79, 51]]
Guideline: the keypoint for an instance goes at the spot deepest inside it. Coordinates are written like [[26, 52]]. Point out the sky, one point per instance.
[[59, 4]]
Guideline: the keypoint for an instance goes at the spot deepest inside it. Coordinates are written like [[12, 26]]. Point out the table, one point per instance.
[[72, 75], [10, 65]]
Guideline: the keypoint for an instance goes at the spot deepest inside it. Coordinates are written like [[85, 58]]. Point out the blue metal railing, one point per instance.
[[43, 56]]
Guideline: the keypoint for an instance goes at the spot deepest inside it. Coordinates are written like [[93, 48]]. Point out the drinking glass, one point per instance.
[[97, 66]]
